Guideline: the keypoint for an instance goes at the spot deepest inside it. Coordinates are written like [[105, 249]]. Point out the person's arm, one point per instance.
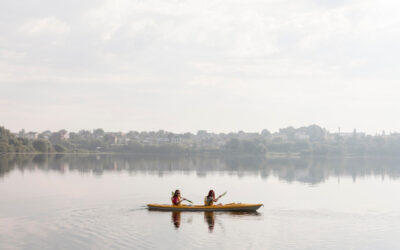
[[216, 199], [180, 201]]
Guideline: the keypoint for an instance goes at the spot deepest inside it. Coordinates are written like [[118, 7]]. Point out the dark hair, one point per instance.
[[177, 192], [211, 194]]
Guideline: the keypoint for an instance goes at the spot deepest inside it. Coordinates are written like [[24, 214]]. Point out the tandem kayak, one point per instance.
[[241, 207]]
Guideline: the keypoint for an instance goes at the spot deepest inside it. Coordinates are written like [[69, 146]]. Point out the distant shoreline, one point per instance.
[[266, 156], [312, 141]]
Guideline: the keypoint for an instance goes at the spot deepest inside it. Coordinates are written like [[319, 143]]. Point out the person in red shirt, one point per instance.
[[176, 198]]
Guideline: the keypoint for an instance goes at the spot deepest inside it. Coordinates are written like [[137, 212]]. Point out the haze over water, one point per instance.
[[98, 202]]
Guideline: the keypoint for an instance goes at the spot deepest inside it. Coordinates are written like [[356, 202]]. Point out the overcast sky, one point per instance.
[[219, 65]]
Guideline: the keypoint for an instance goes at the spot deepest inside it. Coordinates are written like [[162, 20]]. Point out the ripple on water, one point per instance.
[[104, 227]]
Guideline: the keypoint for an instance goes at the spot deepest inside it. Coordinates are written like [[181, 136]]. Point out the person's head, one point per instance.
[[211, 193], [177, 193]]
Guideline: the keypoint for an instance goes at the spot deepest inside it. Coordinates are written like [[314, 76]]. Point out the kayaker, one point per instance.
[[210, 198], [176, 198]]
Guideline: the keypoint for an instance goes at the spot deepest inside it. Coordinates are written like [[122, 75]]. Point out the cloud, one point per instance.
[[240, 56], [46, 25], [10, 55]]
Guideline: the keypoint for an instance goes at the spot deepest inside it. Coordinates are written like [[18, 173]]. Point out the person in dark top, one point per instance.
[[210, 198]]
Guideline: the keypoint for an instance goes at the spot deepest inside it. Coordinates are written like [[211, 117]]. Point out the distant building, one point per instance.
[[32, 135], [277, 136], [162, 140], [175, 139], [301, 137], [345, 135], [111, 138]]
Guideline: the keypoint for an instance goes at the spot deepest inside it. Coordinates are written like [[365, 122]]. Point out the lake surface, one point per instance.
[[99, 202]]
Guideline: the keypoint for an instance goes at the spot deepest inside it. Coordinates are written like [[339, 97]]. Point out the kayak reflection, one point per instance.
[[209, 218]]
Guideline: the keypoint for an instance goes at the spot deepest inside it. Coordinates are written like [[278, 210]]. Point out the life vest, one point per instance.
[[208, 201], [176, 200]]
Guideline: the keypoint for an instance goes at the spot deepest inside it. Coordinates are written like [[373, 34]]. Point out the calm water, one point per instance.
[[98, 202]]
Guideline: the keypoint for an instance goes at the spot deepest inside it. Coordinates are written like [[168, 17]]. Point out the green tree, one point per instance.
[[59, 148], [98, 132], [41, 145], [265, 132], [232, 144], [3, 147]]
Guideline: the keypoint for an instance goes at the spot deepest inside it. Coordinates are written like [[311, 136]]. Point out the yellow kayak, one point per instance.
[[242, 207]]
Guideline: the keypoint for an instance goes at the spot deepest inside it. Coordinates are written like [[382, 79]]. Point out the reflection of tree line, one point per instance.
[[308, 170]]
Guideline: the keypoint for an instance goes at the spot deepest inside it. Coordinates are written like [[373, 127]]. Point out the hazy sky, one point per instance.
[[219, 65]]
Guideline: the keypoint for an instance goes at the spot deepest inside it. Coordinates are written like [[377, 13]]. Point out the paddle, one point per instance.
[[222, 195], [183, 199]]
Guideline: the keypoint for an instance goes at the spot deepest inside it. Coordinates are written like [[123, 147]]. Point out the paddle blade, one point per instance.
[[223, 194], [188, 200]]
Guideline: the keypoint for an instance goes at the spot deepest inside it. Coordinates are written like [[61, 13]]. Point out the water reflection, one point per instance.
[[176, 218], [307, 170], [209, 217]]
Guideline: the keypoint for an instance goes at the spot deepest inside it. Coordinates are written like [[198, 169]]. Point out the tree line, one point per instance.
[[309, 140]]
